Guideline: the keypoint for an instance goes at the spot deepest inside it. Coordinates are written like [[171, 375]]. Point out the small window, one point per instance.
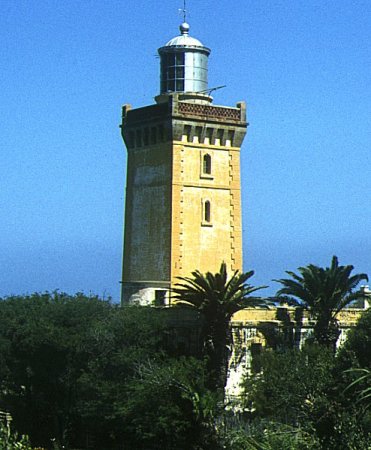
[[170, 59], [171, 85], [180, 72], [206, 164], [160, 297], [179, 59], [180, 85], [171, 73], [207, 212]]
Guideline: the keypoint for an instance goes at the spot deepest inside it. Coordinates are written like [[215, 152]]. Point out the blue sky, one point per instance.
[[302, 66]]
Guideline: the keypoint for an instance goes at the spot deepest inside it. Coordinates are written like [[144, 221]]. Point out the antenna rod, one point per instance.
[[184, 11], [210, 90]]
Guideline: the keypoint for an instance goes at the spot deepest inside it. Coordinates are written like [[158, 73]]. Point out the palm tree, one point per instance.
[[217, 298], [324, 292], [364, 395]]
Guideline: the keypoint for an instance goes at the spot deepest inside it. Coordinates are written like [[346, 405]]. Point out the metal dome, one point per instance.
[[184, 39]]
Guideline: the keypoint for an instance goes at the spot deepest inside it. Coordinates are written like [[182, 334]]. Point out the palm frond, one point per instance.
[[365, 377], [217, 291], [324, 291]]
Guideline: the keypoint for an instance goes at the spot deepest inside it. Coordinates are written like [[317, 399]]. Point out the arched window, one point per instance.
[[207, 211], [206, 164]]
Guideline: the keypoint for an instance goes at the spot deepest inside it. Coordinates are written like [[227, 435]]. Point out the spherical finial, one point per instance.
[[184, 28]]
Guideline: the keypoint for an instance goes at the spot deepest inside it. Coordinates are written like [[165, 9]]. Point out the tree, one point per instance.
[[305, 390], [45, 356], [9, 439], [356, 351], [289, 384], [217, 298], [364, 394], [267, 435], [354, 364], [324, 292], [66, 362], [168, 407]]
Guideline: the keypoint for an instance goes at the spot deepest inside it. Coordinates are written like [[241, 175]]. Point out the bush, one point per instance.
[[9, 440], [268, 435]]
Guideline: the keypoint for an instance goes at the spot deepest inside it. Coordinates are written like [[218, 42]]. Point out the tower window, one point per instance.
[[172, 72], [180, 72], [179, 59], [160, 297], [206, 164], [171, 85], [206, 213], [170, 59]]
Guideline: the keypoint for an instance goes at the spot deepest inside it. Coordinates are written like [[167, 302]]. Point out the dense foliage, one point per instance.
[[9, 439], [356, 351], [314, 391], [71, 374], [81, 373]]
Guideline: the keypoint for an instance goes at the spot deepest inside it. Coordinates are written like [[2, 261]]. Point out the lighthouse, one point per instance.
[[183, 186]]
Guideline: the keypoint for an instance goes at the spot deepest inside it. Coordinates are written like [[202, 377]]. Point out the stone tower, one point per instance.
[[183, 200]]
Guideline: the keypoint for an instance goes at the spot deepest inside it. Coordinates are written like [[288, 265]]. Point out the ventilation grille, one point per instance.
[[209, 111]]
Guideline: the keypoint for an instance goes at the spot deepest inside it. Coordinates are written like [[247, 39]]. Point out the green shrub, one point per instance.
[[9, 440]]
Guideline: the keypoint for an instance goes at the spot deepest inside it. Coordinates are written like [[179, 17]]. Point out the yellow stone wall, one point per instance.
[[347, 317], [148, 214], [197, 244], [166, 233]]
